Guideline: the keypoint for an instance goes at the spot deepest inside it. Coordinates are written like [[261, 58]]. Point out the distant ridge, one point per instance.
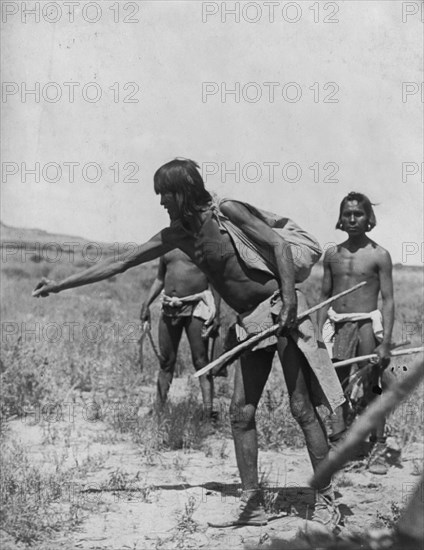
[[22, 235]]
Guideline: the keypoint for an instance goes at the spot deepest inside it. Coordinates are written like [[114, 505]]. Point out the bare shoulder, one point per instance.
[[331, 252], [234, 209], [382, 255], [331, 249], [378, 254]]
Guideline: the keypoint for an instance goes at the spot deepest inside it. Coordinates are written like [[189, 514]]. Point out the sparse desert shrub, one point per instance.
[[276, 426], [30, 510], [186, 524], [24, 382], [180, 425], [121, 481], [183, 535]]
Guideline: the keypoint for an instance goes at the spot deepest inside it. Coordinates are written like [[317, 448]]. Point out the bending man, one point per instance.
[[187, 304], [254, 269]]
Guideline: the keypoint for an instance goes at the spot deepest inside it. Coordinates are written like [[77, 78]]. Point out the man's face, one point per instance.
[[354, 218], [169, 202]]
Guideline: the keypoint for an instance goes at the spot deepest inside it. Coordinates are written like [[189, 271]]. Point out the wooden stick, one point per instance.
[[371, 356], [269, 332], [155, 349], [400, 344], [140, 345], [365, 423]]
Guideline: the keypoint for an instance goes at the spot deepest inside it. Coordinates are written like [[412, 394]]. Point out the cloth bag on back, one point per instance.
[[305, 249]]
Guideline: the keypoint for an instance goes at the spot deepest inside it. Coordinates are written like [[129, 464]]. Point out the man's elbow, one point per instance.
[[120, 266], [389, 305], [388, 301]]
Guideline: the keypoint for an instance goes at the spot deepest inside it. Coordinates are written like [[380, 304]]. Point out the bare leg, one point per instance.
[[249, 381], [250, 378], [367, 345], [169, 339], [297, 375], [199, 354], [339, 419]]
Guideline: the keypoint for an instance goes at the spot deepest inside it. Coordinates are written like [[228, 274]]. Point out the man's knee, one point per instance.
[[242, 417], [302, 410], [199, 361], [167, 363]]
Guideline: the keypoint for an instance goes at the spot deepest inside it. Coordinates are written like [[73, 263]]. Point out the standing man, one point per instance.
[[254, 269], [187, 304], [355, 325]]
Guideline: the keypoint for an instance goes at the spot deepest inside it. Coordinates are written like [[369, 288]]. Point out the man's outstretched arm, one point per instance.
[[146, 252], [267, 239]]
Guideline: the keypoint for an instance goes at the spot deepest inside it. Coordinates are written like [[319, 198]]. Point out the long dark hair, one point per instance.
[[364, 201], [182, 178]]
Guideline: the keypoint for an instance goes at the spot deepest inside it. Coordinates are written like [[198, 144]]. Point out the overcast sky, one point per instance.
[[321, 109]]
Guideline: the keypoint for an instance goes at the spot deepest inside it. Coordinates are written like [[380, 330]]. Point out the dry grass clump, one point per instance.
[[32, 507], [179, 425], [277, 428]]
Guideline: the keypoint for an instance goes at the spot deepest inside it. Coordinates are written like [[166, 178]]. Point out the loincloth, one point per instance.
[[341, 332], [325, 386], [200, 305]]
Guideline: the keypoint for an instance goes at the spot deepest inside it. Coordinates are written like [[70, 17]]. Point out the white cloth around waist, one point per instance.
[[328, 330], [204, 309]]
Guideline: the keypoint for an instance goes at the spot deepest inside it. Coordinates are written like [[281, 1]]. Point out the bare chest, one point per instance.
[[359, 264]]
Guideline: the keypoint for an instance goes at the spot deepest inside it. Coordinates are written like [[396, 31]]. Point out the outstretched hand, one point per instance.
[[44, 288]]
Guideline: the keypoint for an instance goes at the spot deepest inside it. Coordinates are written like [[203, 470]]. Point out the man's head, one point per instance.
[[181, 188], [356, 214]]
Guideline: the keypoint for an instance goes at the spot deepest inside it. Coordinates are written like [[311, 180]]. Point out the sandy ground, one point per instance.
[[169, 498]]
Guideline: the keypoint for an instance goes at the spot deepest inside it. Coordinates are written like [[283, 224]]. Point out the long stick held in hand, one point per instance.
[[270, 331], [374, 356]]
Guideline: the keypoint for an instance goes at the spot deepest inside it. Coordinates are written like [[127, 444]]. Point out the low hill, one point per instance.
[[18, 235], [42, 243]]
